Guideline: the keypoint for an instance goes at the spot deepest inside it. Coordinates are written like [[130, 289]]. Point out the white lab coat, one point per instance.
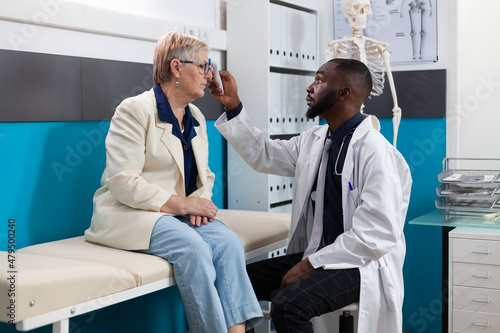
[[374, 211]]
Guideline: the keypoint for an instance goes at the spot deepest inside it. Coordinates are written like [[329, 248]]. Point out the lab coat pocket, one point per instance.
[[389, 289], [354, 196]]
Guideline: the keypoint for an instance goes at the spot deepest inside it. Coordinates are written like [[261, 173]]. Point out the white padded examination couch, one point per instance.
[[66, 278]]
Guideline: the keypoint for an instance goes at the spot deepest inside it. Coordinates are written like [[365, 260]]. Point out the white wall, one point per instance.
[[108, 29], [200, 12], [473, 131]]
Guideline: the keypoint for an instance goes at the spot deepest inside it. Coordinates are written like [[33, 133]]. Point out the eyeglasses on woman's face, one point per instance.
[[202, 65]]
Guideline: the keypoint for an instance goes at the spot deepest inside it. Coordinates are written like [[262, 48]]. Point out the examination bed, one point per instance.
[[58, 280]]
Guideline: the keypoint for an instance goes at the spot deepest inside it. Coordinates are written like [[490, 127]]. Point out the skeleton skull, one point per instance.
[[356, 12]]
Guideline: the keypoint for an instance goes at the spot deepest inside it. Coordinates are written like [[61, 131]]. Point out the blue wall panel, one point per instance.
[[54, 170], [217, 160], [422, 141]]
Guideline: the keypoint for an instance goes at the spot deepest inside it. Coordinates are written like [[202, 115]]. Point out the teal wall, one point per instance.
[[51, 170], [422, 141]]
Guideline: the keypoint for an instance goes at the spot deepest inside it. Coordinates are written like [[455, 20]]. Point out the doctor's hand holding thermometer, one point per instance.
[[224, 89]]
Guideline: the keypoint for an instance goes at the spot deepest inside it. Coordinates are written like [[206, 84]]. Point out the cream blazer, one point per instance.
[[144, 167]]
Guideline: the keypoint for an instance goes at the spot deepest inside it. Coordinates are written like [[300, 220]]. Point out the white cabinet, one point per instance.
[[272, 50], [474, 280]]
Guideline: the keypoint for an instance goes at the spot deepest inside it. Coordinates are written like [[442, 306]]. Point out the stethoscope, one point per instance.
[[340, 151]]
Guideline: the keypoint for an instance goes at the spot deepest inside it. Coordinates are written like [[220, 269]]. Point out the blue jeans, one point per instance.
[[209, 268]]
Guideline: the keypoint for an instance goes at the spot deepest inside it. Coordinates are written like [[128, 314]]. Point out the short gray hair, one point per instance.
[[174, 45]]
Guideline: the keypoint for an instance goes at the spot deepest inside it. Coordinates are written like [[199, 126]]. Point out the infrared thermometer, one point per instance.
[[216, 75]]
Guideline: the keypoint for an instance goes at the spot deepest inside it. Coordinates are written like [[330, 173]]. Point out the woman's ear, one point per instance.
[[175, 67]]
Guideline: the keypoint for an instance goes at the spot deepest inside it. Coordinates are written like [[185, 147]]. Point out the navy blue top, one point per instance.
[[166, 115], [333, 222]]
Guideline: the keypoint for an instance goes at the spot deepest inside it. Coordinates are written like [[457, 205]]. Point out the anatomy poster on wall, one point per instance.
[[408, 26]]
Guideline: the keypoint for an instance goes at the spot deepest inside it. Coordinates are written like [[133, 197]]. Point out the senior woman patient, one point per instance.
[[157, 188]]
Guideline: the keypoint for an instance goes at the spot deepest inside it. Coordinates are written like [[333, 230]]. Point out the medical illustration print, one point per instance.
[[409, 27], [417, 13], [371, 52]]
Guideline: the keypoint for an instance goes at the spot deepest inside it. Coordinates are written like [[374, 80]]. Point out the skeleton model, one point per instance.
[[417, 11], [369, 51]]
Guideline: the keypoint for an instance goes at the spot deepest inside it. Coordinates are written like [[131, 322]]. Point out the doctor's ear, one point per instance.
[[344, 93]]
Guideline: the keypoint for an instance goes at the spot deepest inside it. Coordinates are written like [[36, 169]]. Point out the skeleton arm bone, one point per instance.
[[401, 9], [396, 111]]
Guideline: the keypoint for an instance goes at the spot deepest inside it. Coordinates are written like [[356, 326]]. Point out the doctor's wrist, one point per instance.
[[233, 113], [233, 104]]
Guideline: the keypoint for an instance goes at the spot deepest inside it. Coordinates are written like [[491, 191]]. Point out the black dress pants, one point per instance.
[[322, 291]]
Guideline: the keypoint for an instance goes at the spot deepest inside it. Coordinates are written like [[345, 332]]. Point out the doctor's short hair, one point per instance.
[[357, 73], [174, 45]]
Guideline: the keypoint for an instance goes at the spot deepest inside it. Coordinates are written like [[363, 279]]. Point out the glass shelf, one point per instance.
[[446, 219]]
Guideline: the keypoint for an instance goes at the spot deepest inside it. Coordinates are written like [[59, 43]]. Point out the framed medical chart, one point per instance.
[[408, 26]]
